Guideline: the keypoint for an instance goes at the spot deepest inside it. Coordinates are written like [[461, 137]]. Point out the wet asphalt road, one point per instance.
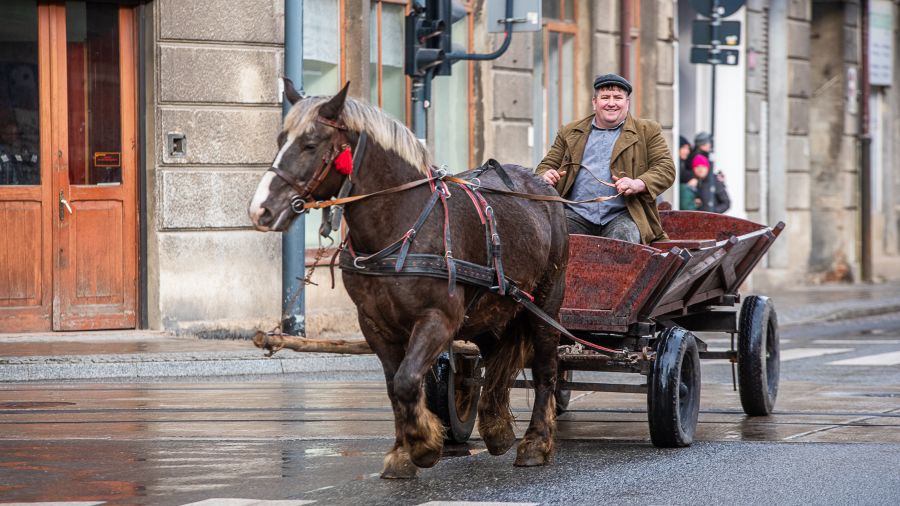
[[835, 439]]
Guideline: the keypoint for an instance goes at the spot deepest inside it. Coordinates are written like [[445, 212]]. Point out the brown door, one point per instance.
[[70, 257]]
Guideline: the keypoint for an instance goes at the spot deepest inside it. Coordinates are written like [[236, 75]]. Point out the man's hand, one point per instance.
[[628, 186], [552, 177]]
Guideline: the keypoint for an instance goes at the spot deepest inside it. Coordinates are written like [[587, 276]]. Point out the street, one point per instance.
[[833, 439]]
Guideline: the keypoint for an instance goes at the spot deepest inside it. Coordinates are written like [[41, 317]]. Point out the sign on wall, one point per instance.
[[881, 47]]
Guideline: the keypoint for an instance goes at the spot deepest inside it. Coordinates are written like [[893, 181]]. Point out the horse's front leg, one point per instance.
[[397, 463], [537, 445], [421, 430]]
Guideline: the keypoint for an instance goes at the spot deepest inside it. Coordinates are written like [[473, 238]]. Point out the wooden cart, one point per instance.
[[646, 302]]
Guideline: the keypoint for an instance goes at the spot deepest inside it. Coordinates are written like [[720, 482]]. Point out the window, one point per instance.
[[322, 61], [451, 99], [560, 52], [321, 47], [387, 79]]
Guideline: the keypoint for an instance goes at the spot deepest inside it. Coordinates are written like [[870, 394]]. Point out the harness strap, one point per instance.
[[410, 235], [358, 153]]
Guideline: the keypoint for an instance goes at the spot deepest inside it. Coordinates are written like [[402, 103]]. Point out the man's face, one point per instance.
[[610, 106]]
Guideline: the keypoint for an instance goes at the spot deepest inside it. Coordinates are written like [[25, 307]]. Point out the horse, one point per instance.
[[406, 320]]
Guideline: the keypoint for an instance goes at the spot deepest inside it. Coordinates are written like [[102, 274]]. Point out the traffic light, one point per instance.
[[429, 36], [423, 43], [448, 12]]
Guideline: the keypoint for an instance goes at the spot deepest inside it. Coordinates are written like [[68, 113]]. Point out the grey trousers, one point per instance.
[[622, 227]]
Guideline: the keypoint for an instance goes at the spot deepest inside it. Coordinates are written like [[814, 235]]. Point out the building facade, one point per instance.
[[143, 128]]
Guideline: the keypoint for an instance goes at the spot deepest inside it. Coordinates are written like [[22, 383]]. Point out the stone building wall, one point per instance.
[[215, 82]]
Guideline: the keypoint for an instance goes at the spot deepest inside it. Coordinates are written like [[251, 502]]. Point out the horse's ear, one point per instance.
[[290, 92], [332, 109]]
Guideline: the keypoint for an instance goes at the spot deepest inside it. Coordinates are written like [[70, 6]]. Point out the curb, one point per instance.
[[148, 366]]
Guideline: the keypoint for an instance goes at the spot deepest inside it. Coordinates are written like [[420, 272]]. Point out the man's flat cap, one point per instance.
[[702, 138], [612, 80]]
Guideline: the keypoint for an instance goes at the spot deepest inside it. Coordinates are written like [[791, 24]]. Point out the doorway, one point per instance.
[[68, 189]]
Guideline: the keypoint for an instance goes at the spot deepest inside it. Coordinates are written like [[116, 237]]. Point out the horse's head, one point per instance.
[[313, 136]]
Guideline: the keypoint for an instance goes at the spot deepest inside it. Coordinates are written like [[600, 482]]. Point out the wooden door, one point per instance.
[[87, 252]]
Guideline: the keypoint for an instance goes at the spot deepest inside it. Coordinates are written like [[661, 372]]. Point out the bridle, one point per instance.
[[304, 190]]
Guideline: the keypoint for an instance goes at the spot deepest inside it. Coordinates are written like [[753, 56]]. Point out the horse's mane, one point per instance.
[[389, 133]]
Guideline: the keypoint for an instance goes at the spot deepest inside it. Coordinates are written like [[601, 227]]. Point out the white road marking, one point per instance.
[[861, 342], [878, 359], [799, 353], [466, 503], [247, 502], [725, 340]]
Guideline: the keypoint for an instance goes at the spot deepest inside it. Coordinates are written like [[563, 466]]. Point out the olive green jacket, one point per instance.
[[639, 153]]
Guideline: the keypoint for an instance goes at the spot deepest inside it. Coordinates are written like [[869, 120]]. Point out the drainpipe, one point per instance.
[[626, 8], [865, 156], [293, 241]]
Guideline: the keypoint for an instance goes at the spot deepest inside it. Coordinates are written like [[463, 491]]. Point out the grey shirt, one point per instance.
[[596, 160]]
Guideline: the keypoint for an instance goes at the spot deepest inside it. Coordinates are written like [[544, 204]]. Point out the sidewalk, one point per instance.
[[149, 354]]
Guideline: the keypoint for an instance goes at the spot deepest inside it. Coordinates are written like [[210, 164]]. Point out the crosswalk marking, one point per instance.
[[247, 502], [877, 359], [845, 342], [798, 353], [466, 503]]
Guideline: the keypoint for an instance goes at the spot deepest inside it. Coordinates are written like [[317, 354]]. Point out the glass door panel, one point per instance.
[[19, 112], [92, 64]]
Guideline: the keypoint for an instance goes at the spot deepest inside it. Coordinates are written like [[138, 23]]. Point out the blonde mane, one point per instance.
[[387, 132]]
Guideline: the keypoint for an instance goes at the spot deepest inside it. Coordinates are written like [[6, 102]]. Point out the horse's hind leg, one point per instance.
[[495, 421], [421, 430], [537, 445]]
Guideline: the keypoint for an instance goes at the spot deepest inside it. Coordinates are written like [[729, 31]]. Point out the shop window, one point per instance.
[[387, 79], [451, 99]]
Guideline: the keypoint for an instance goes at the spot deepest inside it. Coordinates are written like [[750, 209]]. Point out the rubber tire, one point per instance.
[[758, 356], [673, 397], [562, 396], [447, 397]]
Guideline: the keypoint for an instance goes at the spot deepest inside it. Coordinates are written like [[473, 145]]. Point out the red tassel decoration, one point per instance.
[[344, 162]]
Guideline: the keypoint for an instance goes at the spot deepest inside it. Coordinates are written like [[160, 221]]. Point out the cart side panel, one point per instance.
[[608, 280], [699, 225]]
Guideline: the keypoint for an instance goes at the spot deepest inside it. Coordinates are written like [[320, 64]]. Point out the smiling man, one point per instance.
[[611, 146]]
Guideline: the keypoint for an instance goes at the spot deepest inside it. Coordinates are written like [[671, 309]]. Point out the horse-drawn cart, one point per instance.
[[633, 308]]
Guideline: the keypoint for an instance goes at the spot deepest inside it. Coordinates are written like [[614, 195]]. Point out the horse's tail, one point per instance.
[[509, 357]]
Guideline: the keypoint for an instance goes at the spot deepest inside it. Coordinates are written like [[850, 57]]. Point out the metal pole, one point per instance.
[[865, 140], [293, 241], [714, 52]]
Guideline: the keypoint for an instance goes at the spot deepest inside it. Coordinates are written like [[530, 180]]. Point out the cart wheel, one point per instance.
[[563, 395], [673, 399], [758, 355], [453, 396]]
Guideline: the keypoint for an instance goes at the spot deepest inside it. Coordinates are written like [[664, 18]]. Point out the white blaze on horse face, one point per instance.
[[262, 190], [262, 193]]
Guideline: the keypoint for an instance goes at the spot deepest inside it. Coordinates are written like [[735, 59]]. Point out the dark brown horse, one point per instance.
[[409, 321]]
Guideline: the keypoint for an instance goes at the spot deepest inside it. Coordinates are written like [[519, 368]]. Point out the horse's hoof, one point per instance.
[[425, 457], [532, 454], [499, 442], [397, 465]]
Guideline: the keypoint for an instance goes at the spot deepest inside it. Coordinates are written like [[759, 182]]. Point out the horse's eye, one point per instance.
[[309, 147]]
